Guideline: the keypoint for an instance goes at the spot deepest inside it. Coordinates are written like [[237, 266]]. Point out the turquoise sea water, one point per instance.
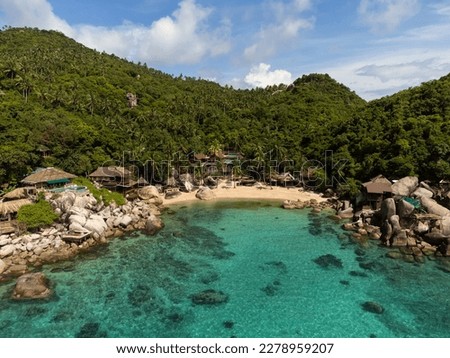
[[286, 274]]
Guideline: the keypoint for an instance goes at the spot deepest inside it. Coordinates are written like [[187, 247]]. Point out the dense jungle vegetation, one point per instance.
[[65, 105]]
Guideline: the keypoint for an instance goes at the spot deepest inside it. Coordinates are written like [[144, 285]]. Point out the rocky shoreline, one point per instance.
[[413, 233], [80, 216], [410, 234]]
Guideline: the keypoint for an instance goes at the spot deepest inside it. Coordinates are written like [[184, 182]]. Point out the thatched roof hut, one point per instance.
[[11, 207], [113, 177], [49, 176], [19, 193], [110, 172]]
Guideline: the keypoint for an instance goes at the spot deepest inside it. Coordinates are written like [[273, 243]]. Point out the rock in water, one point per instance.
[[31, 286], [372, 307], [153, 225], [328, 260], [228, 324], [209, 297], [91, 330]]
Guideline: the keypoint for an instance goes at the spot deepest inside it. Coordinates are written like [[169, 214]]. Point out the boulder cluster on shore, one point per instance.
[[414, 232], [83, 223]]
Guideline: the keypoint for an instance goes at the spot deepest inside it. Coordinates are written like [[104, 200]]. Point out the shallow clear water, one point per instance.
[[272, 264]]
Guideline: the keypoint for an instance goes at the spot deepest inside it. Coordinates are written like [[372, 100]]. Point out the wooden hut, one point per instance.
[[375, 191], [113, 177], [48, 177], [20, 193], [8, 210]]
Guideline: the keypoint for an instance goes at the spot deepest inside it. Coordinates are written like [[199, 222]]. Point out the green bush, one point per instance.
[[103, 194], [36, 215]]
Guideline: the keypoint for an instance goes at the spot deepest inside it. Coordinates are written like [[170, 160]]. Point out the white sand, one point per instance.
[[245, 192]]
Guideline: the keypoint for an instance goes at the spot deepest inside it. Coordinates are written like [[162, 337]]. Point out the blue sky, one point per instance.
[[375, 47]]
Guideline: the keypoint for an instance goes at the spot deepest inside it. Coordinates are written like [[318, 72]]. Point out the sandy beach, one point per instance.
[[250, 192]]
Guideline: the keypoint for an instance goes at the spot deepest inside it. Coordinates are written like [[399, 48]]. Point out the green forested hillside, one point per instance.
[[65, 105]]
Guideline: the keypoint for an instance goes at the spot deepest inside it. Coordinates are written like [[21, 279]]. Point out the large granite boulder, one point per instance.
[[76, 227], [420, 192], [395, 222], [74, 210], [78, 219], [85, 202], [293, 204], [426, 186], [387, 209], [405, 186], [346, 214], [96, 224], [433, 207], [170, 194], [187, 181], [205, 193], [445, 225], [148, 192], [153, 225], [7, 250], [64, 201], [400, 239], [55, 256], [31, 286], [386, 231], [404, 209], [5, 240], [125, 221]]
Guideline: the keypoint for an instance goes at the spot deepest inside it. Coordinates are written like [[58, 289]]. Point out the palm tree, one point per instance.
[[25, 85]]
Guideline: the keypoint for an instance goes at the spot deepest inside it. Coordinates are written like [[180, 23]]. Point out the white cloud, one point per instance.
[[182, 38], [430, 33], [261, 76], [302, 5], [282, 31], [441, 9], [32, 13], [408, 71], [384, 16], [378, 75]]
